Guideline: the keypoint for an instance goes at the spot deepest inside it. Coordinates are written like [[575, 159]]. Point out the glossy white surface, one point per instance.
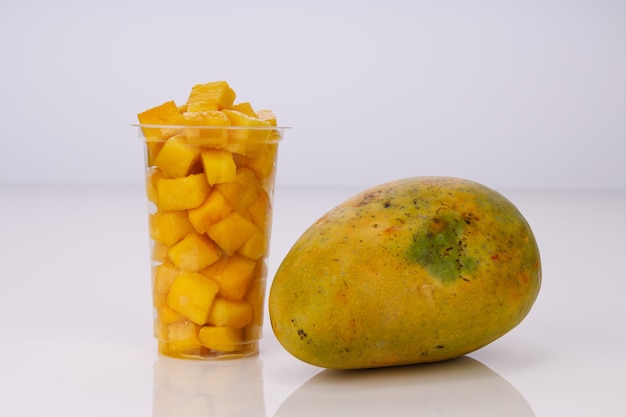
[[76, 329]]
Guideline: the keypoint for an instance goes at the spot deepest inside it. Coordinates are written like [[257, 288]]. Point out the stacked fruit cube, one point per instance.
[[209, 179]]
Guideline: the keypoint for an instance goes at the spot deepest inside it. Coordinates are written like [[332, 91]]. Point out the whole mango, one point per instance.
[[417, 270]]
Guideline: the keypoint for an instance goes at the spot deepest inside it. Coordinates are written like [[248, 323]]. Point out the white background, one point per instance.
[[514, 94], [528, 97]]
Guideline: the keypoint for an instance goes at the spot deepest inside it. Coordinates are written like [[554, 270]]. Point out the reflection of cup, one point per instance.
[[210, 192], [460, 387], [208, 388]]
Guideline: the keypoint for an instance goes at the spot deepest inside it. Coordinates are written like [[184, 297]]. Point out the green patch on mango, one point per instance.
[[439, 247]]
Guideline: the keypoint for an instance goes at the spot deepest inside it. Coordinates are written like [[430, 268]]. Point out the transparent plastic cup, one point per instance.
[[210, 191]]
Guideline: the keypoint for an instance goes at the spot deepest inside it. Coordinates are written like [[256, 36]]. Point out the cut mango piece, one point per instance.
[[241, 192], [227, 313], [168, 227], [152, 176], [255, 247], [223, 339], [210, 95], [164, 276], [219, 166], [256, 297], [267, 116], [260, 210], [245, 108], [254, 134], [182, 193], [177, 157], [263, 160], [159, 251], [238, 118], [232, 232], [164, 114], [182, 336], [233, 275], [194, 252], [214, 209], [192, 295], [165, 315], [213, 135]]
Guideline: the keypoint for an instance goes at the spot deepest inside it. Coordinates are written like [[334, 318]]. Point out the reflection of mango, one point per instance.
[[425, 390], [417, 270]]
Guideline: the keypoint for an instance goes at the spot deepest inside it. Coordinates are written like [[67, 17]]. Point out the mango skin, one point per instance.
[[417, 270]]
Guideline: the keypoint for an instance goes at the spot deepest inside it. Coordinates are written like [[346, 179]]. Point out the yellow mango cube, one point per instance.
[[194, 252], [192, 295], [163, 114], [212, 210], [164, 276], [219, 166], [182, 193], [181, 337], [152, 150], [260, 210], [255, 247], [245, 108], [233, 314], [214, 135], [256, 298], [238, 118], [159, 252], [152, 176], [263, 160], [168, 227], [233, 275], [232, 232], [210, 95], [165, 315], [177, 157], [254, 134], [222, 339], [241, 192], [267, 116]]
